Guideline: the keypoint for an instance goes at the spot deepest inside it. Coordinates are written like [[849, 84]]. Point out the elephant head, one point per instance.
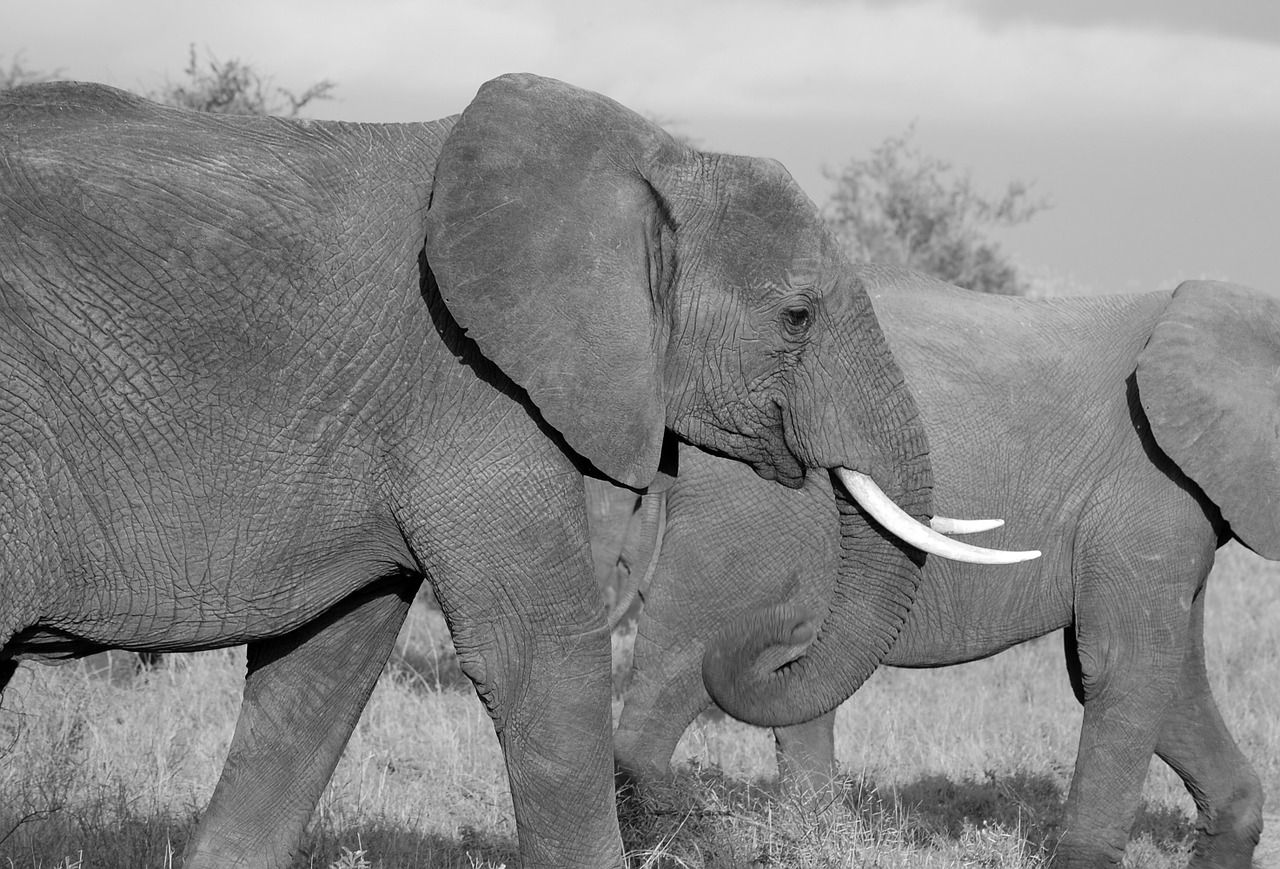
[[631, 284]]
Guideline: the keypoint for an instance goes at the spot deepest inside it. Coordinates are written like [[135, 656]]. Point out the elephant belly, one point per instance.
[[967, 612], [180, 581]]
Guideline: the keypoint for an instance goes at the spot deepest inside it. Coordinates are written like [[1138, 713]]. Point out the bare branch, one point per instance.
[[233, 87], [18, 74]]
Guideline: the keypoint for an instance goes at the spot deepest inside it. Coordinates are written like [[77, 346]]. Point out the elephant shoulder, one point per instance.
[[1209, 383]]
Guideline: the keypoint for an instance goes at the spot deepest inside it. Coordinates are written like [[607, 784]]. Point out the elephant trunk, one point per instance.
[[783, 665]]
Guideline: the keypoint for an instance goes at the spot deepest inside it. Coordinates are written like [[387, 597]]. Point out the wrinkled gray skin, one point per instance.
[[1126, 437], [239, 405]]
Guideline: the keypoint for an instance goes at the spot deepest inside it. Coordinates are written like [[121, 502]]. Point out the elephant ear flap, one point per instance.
[[1209, 382], [546, 239]]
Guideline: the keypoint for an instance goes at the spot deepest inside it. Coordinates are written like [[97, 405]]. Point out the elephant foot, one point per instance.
[[651, 791], [815, 798], [1228, 838], [654, 807], [1086, 852]]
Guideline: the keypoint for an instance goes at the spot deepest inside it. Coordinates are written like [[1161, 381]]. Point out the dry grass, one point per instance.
[[118, 769], [958, 767], [971, 756]]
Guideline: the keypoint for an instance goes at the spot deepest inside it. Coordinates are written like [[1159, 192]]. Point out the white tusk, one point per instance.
[[947, 525], [896, 521]]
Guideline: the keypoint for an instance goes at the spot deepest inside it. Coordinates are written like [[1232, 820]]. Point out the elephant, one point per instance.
[[263, 377], [1129, 436]]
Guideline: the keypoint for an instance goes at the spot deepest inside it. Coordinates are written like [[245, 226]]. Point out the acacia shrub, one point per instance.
[[903, 207]]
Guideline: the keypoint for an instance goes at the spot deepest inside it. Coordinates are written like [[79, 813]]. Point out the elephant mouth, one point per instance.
[[782, 466]]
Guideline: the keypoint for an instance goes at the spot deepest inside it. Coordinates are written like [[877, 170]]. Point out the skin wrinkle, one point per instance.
[[515, 598], [735, 418], [131, 404]]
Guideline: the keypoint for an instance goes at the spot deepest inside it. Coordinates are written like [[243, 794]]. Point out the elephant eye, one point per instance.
[[796, 321]]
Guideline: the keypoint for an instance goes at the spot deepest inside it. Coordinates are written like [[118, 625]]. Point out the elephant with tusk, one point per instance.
[[1128, 437], [264, 377]]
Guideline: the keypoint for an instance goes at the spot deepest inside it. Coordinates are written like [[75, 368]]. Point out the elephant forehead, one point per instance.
[[771, 237]]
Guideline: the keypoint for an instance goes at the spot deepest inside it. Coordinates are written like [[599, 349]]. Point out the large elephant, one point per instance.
[[244, 402], [1128, 436]]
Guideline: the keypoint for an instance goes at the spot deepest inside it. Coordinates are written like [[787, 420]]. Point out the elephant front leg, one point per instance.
[[515, 583], [543, 673], [1123, 657], [554, 733], [806, 756], [665, 695], [304, 693]]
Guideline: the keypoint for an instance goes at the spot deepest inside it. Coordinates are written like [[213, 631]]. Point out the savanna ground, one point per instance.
[[968, 766]]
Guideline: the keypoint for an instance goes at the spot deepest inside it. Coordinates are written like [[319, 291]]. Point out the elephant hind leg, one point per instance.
[[303, 694], [1194, 741]]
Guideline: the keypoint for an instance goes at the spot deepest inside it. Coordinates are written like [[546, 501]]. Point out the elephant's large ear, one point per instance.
[[546, 237], [1209, 382]]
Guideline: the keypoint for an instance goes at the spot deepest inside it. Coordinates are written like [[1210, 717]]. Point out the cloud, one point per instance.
[[1244, 19], [768, 59], [937, 60], [686, 59]]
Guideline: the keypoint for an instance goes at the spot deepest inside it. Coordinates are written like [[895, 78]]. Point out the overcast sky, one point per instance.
[[1152, 125]]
